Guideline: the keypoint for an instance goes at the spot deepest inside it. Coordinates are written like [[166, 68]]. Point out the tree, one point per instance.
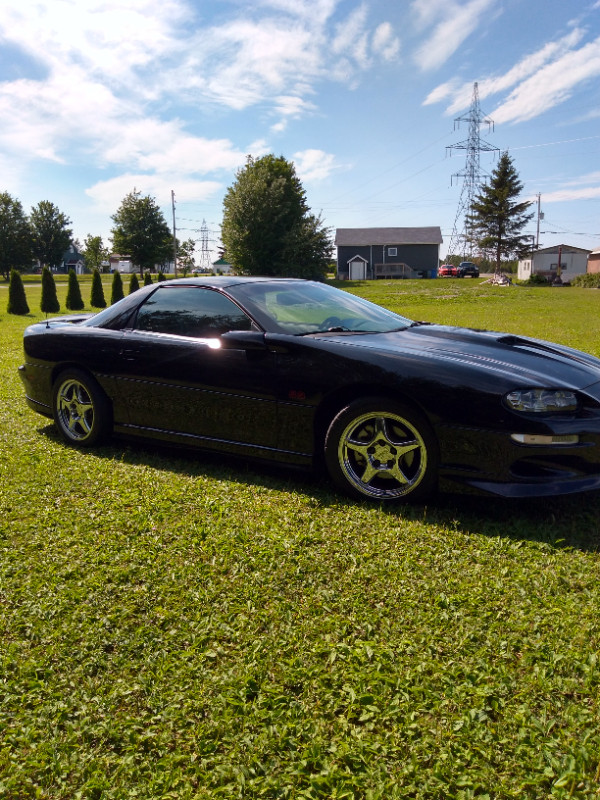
[[15, 236], [17, 302], [141, 231], [74, 300], [97, 299], [50, 234], [134, 283], [49, 303], [267, 227], [185, 256], [116, 293], [94, 252], [496, 219]]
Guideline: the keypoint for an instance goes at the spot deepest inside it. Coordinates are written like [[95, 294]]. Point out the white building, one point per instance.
[[546, 261]]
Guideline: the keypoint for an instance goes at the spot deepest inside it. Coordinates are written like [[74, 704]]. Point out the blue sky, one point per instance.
[[98, 97]]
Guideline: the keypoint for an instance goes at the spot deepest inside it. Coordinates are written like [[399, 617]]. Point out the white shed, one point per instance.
[[550, 261]]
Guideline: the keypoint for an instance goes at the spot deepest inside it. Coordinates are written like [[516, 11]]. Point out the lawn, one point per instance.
[[181, 626]]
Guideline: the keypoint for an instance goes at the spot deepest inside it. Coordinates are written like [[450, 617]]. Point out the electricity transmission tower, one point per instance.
[[205, 263], [461, 242]]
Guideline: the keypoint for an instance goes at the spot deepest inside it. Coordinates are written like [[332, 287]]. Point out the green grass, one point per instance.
[[182, 626]]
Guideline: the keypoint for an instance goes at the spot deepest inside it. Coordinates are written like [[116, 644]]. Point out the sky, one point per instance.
[[366, 97]]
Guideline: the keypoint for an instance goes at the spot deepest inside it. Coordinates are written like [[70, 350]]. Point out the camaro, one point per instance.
[[301, 373]]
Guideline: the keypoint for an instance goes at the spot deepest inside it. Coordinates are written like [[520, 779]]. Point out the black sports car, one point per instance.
[[301, 373]]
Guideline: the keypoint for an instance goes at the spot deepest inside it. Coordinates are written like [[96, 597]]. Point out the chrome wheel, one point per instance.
[[80, 409], [381, 450]]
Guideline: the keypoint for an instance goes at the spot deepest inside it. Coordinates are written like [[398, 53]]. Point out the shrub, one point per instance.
[[147, 279], [134, 284], [117, 292], [536, 280], [74, 300], [591, 280], [17, 302], [49, 302], [161, 277], [97, 299]]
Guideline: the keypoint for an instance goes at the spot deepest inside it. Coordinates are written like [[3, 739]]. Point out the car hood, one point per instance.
[[531, 360]]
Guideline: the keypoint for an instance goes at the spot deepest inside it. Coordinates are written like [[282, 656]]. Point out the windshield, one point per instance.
[[309, 307]]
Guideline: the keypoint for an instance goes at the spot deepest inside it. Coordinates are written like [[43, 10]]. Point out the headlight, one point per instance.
[[541, 401]]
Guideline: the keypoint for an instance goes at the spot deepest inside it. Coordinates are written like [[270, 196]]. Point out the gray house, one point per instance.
[[369, 253]]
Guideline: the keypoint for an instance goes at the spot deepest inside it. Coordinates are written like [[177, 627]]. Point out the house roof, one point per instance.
[[566, 248], [382, 236]]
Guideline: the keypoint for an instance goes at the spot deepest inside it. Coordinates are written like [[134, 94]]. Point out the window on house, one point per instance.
[[392, 251]]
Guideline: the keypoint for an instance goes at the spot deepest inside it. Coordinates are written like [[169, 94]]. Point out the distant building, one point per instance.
[[72, 259], [371, 253], [545, 262], [593, 264], [222, 267]]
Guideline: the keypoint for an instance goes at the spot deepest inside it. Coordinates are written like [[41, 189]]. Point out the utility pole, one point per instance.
[[540, 216], [460, 241], [174, 235]]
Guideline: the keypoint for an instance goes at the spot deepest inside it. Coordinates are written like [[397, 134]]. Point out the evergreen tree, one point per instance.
[[97, 299], [117, 288], [17, 302], [49, 303], [134, 284], [160, 277], [147, 279], [496, 218], [267, 226], [74, 300]]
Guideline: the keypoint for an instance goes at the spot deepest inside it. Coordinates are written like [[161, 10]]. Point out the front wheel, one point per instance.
[[383, 450], [80, 408]]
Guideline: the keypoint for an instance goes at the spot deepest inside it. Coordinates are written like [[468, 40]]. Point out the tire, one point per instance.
[[80, 409], [383, 450]]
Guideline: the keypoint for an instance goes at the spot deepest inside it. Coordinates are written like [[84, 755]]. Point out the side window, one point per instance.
[[190, 311]]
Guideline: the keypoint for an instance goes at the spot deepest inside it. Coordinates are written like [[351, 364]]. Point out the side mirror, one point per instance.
[[244, 340]]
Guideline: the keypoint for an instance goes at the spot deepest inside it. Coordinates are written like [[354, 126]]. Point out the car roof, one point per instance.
[[224, 281]]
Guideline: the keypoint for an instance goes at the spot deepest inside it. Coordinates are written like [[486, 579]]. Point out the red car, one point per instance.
[[448, 271]]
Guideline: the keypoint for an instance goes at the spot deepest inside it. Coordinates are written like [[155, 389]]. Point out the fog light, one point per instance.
[[540, 439]]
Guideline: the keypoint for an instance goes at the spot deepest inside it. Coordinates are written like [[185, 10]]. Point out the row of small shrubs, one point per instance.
[[17, 300]]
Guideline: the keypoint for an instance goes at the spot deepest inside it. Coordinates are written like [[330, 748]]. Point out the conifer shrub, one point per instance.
[[74, 300], [147, 279], [17, 301], [134, 284], [49, 303], [97, 299], [161, 277], [117, 292]]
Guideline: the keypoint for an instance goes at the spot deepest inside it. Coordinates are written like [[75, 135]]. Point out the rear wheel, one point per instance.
[[80, 408], [383, 450]]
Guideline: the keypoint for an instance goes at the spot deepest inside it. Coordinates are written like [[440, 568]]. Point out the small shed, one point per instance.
[[371, 253], [562, 259]]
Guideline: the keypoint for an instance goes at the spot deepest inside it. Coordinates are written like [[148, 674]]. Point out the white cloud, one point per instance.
[[314, 165], [551, 85], [537, 82], [455, 23], [563, 195], [385, 43], [108, 195]]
